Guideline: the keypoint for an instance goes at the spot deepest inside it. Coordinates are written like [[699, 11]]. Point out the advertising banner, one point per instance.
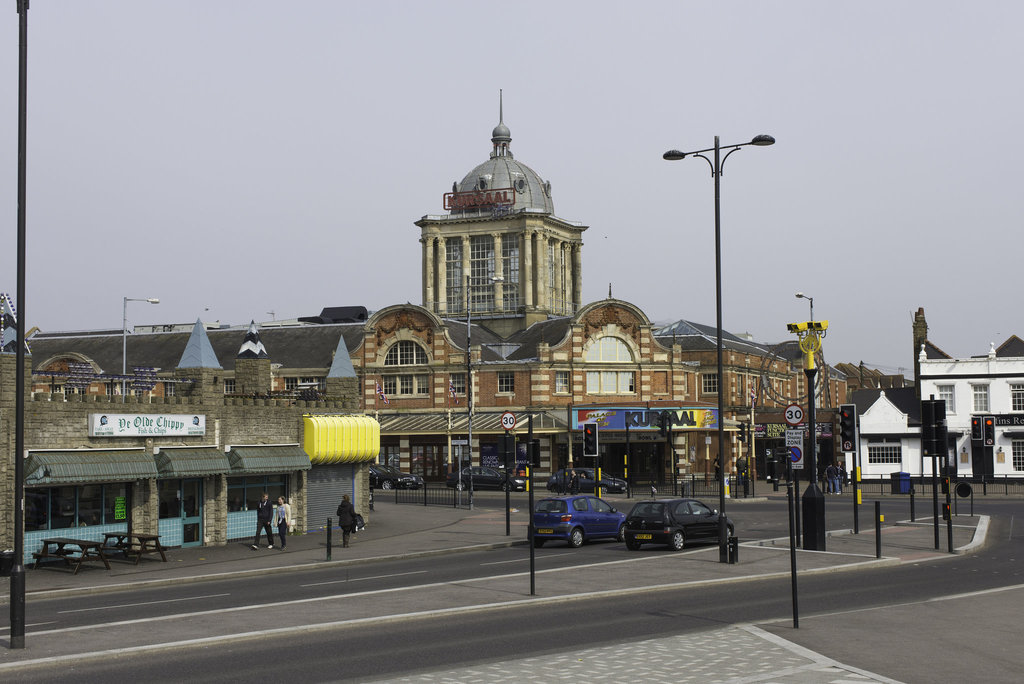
[[146, 425]]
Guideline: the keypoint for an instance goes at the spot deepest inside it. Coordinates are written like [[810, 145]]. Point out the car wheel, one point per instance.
[[621, 536], [632, 545], [678, 541], [538, 542], [576, 538], [386, 484]]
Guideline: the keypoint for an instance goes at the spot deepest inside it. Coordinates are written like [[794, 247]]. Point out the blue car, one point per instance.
[[576, 519]]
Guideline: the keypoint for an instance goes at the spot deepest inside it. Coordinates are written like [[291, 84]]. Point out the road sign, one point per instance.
[[796, 455], [508, 420], [794, 438], [794, 415]]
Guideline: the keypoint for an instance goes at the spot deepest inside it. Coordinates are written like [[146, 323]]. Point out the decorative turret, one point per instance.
[[253, 374]]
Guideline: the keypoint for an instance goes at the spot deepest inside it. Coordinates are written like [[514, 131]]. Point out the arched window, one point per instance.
[[609, 350], [405, 353]]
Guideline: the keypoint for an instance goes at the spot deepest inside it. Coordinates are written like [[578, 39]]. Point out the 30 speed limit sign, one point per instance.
[[508, 420], [794, 415]]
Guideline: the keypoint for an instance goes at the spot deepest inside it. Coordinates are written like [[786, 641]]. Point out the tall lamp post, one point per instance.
[[716, 172], [810, 335], [469, 376], [124, 340]]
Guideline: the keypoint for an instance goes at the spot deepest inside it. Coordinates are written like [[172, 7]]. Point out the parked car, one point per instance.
[[576, 519], [483, 477], [390, 477], [672, 522], [561, 479]]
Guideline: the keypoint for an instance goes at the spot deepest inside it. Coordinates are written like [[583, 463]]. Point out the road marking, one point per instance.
[[144, 603], [34, 624], [363, 579], [523, 560]]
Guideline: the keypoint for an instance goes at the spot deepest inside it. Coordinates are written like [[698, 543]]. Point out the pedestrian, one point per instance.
[[832, 477], [843, 477], [284, 517], [264, 514], [346, 519], [574, 483]]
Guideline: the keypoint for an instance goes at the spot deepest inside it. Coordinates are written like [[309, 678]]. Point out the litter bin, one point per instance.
[[900, 483], [6, 562]]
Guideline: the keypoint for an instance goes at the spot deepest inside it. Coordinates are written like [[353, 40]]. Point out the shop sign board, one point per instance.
[[146, 425]]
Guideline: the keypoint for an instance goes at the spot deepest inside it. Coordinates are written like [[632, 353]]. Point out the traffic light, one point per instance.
[[664, 423], [590, 439], [848, 427], [945, 512], [945, 485], [975, 428], [988, 425], [742, 436]]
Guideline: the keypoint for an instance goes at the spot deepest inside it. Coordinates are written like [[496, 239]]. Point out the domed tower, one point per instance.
[[500, 246]]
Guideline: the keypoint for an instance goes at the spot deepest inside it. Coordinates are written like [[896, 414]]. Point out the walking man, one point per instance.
[[264, 514]]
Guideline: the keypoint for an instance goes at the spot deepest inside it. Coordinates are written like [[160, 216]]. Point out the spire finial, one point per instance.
[[501, 106]]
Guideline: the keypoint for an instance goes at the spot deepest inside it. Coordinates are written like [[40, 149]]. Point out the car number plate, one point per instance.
[[545, 530], [642, 536]]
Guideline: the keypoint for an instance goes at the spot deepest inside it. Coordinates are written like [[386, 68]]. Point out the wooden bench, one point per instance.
[[134, 544], [72, 551]]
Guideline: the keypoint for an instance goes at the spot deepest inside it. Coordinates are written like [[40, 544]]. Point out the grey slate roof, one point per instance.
[[198, 352]]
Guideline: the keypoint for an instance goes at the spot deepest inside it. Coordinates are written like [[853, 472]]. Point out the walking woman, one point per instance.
[[346, 518], [283, 517]]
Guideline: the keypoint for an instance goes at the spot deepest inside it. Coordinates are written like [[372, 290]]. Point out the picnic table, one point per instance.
[[72, 551], [136, 543]]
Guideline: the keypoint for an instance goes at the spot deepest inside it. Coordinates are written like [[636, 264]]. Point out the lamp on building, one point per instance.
[[124, 339], [716, 171], [469, 378]]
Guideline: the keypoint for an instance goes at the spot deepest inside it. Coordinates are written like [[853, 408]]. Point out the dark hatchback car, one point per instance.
[[389, 477], [561, 480], [575, 519], [672, 522], [483, 477]]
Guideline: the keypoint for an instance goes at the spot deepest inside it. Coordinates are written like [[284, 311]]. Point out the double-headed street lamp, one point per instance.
[[716, 171], [469, 378], [124, 340]]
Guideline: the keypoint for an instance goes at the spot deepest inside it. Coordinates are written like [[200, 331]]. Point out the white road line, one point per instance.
[[34, 624], [144, 603], [363, 579], [523, 560]]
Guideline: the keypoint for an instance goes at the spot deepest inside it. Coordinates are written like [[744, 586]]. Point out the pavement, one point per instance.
[[404, 530]]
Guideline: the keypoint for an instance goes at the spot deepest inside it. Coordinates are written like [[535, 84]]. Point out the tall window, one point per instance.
[[406, 353], [453, 274], [481, 270], [948, 395], [229, 385], [506, 381], [1018, 454], [562, 382], [709, 383], [884, 453], [610, 382], [510, 272], [1017, 397], [609, 350], [980, 397], [458, 381]]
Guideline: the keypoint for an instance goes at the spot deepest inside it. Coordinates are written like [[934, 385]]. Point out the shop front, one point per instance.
[[340, 448]]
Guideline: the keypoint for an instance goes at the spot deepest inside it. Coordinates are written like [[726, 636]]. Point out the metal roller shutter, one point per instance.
[[325, 486]]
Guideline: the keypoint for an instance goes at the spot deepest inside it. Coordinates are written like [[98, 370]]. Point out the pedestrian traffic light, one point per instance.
[[975, 428], [742, 436], [590, 439], [988, 424], [945, 512], [945, 485], [848, 427]]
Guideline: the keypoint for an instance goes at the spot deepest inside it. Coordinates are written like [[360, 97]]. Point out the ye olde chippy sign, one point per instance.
[[146, 425]]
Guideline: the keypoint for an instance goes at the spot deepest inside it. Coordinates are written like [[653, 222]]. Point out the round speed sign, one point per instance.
[[794, 415], [508, 420]]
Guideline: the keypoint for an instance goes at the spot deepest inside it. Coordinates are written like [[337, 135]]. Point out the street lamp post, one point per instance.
[[716, 171], [124, 340], [813, 500], [469, 379]]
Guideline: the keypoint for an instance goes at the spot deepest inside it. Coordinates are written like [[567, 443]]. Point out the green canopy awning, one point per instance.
[[88, 465], [192, 462], [262, 460]]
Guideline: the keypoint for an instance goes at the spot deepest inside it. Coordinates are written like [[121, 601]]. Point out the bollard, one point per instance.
[[912, 518], [328, 539], [734, 550], [878, 529]]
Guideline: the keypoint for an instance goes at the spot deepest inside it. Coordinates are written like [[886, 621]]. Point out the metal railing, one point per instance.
[[431, 494]]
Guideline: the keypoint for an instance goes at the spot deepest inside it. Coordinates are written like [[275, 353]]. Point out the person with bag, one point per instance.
[[346, 519], [283, 516]]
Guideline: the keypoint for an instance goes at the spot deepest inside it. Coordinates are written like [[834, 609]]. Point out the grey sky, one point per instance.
[[255, 156]]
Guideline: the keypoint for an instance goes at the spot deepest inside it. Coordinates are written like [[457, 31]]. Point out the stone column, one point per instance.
[[499, 270], [543, 274], [577, 276], [526, 273], [429, 291]]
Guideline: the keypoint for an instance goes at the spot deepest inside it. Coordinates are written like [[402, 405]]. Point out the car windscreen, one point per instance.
[[551, 506]]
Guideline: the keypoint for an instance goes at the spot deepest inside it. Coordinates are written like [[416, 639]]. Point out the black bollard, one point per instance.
[[878, 529], [328, 539]]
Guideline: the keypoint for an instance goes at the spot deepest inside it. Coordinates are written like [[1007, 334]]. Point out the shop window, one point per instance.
[[506, 382], [90, 505], [62, 507]]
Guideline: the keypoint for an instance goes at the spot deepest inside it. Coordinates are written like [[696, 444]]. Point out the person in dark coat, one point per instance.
[[264, 514], [346, 519], [574, 483]]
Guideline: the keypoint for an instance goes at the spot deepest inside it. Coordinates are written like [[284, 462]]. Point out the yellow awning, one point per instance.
[[340, 439]]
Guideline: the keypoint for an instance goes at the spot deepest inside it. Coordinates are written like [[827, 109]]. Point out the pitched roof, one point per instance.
[[252, 346], [198, 351]]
